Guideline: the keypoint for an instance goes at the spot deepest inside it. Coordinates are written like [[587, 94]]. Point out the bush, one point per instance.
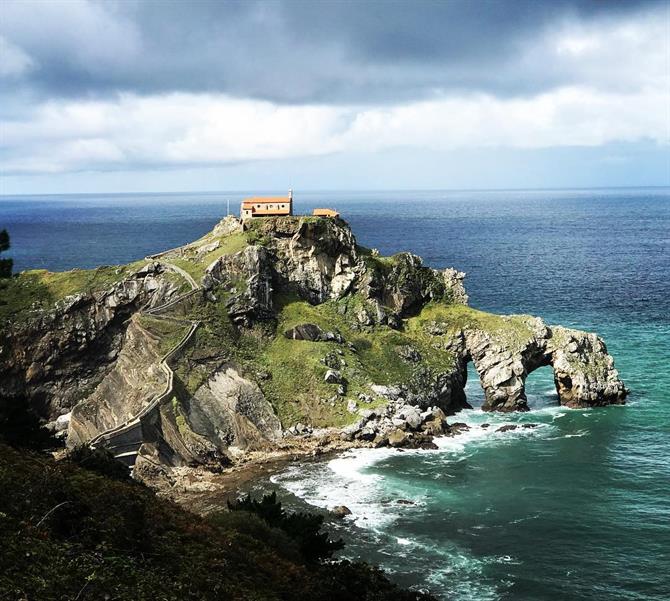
[[5, 264], [100, 461], [20, 426], [303, 528]]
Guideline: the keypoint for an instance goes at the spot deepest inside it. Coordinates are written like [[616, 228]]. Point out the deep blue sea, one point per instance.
[[577, 508]]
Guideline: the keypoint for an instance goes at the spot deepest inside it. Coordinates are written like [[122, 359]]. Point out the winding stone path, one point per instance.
[[124, 440]]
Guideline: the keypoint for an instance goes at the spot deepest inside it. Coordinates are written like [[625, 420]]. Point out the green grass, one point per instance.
[[215, 341], [195, 264], [169, 333], [512, 330], [37, 290], [297, 388]]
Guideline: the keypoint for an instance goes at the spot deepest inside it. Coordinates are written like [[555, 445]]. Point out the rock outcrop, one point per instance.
[[123, 391], [232, 413], [584, 372], [55, 358], [313, 333]]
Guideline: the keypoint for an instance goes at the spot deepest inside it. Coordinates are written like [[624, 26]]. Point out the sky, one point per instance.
[[132, 96]]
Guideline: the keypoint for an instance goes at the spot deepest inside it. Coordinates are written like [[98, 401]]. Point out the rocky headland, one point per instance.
[[279, 337]]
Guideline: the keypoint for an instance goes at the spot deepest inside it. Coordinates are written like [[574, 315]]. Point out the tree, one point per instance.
[[5, 264]]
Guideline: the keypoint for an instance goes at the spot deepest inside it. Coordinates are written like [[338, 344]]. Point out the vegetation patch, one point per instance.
[[512, 330], [37, 290], [73, 533], [297, 388], [195, 263], [169, 332]]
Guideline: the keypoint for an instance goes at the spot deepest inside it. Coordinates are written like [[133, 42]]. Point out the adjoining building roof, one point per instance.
[[325, 213]]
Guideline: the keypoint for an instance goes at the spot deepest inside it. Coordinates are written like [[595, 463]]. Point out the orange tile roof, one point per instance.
[[265, 200]]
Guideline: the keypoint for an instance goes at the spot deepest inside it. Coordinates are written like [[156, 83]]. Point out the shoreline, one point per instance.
[[203, 492]]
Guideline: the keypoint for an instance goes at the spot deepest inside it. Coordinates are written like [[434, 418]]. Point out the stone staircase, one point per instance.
[[124, 440]]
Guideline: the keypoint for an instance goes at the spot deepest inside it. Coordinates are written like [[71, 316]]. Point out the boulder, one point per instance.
[[411, 415], [457, 428], [333, 377], [340, 511], [507, 428], [397, 438], [313, 333]]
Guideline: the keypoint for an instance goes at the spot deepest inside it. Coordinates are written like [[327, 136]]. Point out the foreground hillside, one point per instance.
[[259, 338], [69, 533]]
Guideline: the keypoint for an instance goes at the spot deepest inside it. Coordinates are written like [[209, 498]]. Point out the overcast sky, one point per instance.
[[167, 96]]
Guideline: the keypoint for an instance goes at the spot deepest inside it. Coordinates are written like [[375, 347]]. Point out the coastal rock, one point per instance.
[[340, 511], [457, 428], [231, 411], [410, 415], [397, 438], [503, 365], [313, 333], [584, 372]]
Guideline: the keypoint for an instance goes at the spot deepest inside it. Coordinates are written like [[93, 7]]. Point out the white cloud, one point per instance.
[[195, 129]]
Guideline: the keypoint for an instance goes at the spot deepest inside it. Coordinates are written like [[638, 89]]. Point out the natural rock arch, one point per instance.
[[584, 373]]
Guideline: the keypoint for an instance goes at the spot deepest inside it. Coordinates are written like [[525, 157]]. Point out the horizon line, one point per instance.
[[347, 190]]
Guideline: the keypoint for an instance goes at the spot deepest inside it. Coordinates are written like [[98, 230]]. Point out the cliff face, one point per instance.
[[295, 328], [56, 356]]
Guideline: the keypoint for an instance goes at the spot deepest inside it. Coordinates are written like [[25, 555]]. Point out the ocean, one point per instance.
[[576, 508]]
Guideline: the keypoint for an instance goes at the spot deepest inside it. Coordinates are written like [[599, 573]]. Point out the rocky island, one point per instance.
[[279, 335]]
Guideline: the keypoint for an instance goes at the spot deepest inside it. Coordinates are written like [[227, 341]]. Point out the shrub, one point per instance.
[[100, 461], [303, 528], [20, 426]]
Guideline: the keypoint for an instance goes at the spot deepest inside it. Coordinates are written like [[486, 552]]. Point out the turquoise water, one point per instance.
[[576, 508]]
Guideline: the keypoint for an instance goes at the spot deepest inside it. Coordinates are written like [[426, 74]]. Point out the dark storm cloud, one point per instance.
[[292, 51]]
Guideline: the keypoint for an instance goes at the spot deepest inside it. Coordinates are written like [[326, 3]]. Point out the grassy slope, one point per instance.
[[68, 533], [297, 370], [38, 289], [195, 263], [512, 331]]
